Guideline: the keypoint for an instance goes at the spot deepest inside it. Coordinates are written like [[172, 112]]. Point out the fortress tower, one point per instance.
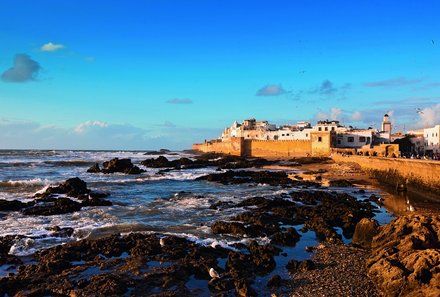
[[386, 124]]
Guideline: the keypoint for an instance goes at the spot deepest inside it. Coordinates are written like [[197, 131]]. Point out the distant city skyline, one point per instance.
[[165, 74]]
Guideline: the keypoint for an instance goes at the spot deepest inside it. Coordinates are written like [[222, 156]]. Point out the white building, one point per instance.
[[432, 139], [355, 138]]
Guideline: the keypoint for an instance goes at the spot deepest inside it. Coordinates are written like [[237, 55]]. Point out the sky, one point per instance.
[[140, 75]]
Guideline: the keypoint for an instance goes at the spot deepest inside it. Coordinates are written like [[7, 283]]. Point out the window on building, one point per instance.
[[307, 134], [350, 139], [339, 141], [333, 128], [287, 134], [362, 139], [319, 129], [326, 128], [319, 139], [282, 134]]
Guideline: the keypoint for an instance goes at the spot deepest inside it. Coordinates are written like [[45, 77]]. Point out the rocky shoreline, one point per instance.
[[155, 264]]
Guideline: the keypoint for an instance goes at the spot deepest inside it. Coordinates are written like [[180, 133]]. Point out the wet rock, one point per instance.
[[243, 288], [234, 228], [159, 152], [263, 257], [53, 206], [94, 201], [48, 203], [406, 256], [12, 205], [340, 183], [94, 168], [73, 187], [105, 285], [120, 165], [220, 205], [241, 177], [275, 281], [294, 266], [365, 230], [289, 238], [57, 231], [221, 284]]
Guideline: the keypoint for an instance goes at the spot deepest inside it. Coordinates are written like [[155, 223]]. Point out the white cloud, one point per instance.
[[334, 113], [430, 116], [83, 127], [51, 47], [356, 116]]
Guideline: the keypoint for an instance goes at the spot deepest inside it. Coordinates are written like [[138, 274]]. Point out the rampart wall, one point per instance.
[[419, 173], [277, 148], [229, 147], [319, 145]]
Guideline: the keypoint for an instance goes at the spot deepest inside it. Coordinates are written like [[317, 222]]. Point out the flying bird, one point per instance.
[[432, 41], [213, 273], [419, 111]]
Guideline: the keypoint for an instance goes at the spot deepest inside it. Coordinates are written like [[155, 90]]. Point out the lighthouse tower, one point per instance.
[[386, 124]]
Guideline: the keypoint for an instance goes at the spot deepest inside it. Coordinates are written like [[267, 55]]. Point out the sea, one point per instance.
[[170, 202]]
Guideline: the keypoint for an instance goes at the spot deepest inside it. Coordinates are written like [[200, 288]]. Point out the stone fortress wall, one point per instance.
[[319, 145], [423, 172]]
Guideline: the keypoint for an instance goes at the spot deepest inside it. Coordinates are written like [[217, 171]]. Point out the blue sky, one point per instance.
[[151, 74]]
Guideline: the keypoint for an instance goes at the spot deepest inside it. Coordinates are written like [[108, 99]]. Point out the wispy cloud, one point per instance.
[[271, 90], [326, 88], [334, 113], [24, 69], [51, 47], [394, 82], [179, 101]]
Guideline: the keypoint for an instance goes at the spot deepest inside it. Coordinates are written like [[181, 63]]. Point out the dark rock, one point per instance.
[[53, 206], [120, 165], [263, 257], [94, 169], [340, 183], [94, 201], [234, 228], [161, 151], [294, 266], [243, 288], [289, 238], [365, 230], [57, 231], [73, 187], [12, 205], [241, 177], [221, 284], [275, 281]]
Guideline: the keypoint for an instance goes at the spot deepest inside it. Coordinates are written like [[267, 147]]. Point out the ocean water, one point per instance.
[[171, 203]]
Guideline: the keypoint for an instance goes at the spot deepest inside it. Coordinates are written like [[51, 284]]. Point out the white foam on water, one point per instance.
[[21, 182]]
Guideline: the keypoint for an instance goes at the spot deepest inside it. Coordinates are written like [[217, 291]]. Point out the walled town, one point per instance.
[[261, 139]]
